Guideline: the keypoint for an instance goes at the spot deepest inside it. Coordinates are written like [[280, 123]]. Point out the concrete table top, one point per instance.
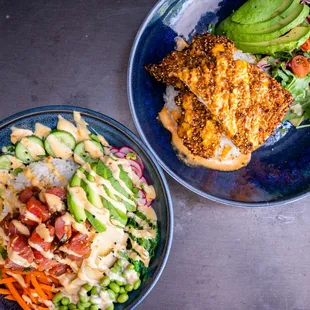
[[222, 258]]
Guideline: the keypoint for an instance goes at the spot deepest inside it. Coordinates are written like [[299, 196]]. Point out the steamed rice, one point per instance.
[[44, 175]]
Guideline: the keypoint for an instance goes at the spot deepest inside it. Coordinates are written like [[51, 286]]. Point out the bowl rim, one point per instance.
[[132, 55], [160, 174]]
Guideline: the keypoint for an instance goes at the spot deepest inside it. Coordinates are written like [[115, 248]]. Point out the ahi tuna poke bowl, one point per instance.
[[77, 226]]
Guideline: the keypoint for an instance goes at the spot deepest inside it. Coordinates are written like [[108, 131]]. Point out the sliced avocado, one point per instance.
[[228, 25], [273, 31], [76, 209], [292, 40], [255, 11]]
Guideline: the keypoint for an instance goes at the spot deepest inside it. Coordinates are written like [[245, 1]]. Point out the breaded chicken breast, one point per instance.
[[247, 103]]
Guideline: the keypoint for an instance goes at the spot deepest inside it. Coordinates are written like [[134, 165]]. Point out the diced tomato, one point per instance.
[[36, 239], [25, 195], [300, 66], [35, 207], [43, 262], [58, 191], [306, 46], [58, 270], [79, 244], [19, 244], [63, 230]]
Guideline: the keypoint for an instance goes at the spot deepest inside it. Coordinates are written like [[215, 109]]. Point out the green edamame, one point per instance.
[[63, 307], [105, 281], [72, 306], [114, 287], [120, 283], [128, 287], [94, 307], [94, 290], [122, 290], [137, 284], [111, 307], [130, 267], [122, 298], [57, 298], [65, 301], [87, 287], [83, 298], [111, 294]]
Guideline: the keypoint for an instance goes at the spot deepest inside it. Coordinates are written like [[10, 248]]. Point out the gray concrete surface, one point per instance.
[[76, 52]]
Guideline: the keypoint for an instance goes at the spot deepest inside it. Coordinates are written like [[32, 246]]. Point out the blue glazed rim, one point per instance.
[[145, 140], [163, 182]]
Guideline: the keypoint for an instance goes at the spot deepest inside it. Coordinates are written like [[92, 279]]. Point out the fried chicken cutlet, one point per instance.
[[247, 103]]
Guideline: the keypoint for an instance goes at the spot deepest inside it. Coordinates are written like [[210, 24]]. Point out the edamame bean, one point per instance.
[[105, 281], [114, 270], [94, 307], [94, 290], [86, 304], [122, 298], [119, 263], [57, 298], [122, 290], [124, 275], [137, 284], [114, 287], [130, 267], [120, 283], [128, 287], [65, 301], [80, 306], [72, 306], [111, 294], [87, 287], [63, 307], [111, 307], [83, 298]]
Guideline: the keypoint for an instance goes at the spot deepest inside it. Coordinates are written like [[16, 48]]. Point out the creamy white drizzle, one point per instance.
[[35, 150], [21, 228], [54, 202], [58, 148], [19, 133], [41, 130]]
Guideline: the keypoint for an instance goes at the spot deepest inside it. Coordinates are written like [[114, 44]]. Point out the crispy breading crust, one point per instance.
[[201, 134], [247, 103]]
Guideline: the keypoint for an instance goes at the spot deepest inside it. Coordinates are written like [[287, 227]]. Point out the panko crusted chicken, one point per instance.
[[247, 103]]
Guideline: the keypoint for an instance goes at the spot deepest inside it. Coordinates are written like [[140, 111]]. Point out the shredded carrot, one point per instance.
[[4, 291], [7, 280], [38, 288], [17, 297]]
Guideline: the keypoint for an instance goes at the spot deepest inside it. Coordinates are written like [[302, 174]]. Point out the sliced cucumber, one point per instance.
[[94, 137], [5, 163], [23, 153], [100, 227], [80, 151], [64, 137]]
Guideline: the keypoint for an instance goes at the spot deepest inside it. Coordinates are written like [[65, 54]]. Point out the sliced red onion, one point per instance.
[[113, 149], [143, 179], [120, 154], [308, 19], [126, 150], [136, 168], [140, 162], [141, 200]]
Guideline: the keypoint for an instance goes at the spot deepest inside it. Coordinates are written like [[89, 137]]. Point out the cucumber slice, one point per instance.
[[5, 163], [64, 137], [81, 152], [100, 227], [23, 153]]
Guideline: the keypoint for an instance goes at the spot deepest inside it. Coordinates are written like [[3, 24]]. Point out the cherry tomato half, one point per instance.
[[306, 46], [300, 66]]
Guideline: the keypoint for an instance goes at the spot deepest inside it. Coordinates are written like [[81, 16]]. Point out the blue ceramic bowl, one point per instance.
[[278, 172], [118, 135]]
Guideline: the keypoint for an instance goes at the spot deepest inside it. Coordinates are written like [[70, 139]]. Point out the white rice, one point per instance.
[[44, 175]]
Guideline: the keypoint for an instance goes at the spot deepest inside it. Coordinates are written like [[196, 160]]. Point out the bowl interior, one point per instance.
[[117, 135], [278, 172]]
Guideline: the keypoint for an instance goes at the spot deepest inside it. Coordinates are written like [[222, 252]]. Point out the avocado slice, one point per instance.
[[228, 25], [256, 11], [273, 30], [292, 40]]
